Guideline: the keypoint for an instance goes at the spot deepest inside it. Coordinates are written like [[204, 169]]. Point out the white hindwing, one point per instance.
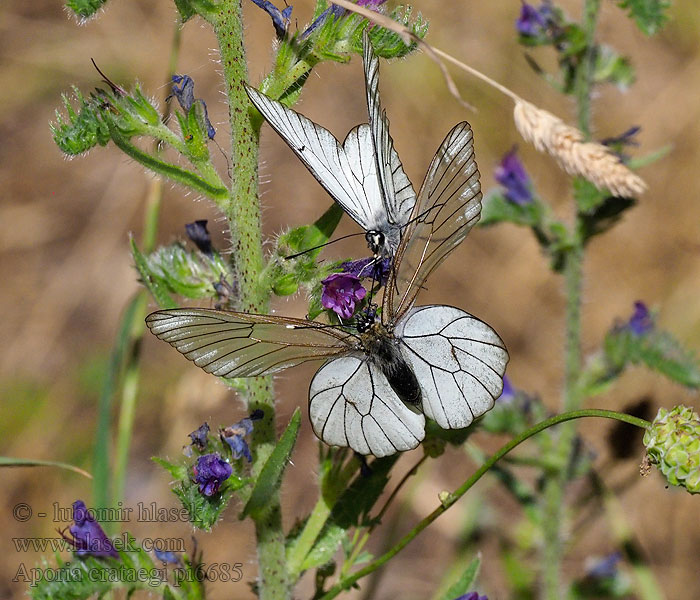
[[458, 360], [352, 404]]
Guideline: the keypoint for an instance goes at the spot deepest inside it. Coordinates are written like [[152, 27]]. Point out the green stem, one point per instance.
[[584, 72], [132, 372], [555, 486], [242, 210], [299, 550], [348, 582]]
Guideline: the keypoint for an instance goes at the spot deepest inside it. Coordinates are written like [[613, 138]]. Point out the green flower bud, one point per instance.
[[673, 445]]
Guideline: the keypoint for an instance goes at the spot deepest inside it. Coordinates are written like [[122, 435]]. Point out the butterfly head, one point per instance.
[[375, 241]]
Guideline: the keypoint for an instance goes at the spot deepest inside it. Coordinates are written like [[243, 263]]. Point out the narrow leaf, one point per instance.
[[7, 461], [465, 582], [270, 477]]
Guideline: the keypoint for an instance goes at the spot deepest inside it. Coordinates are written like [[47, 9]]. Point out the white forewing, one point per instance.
[[399, 197], [458, 360], [229, 344], [348, 172], [352, 404], [449, 205]]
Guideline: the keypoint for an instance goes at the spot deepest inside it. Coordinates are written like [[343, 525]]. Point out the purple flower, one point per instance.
[[472, 596], [341, 292], [369, 268], [532, 21], [199, 436], [186, 99], [641, 321], [86, 534], [280, 18], [210, 471], [619, 143], [508, 392], [234, 435], [605, 567], [166, 556], [511, 174], [197, 232]]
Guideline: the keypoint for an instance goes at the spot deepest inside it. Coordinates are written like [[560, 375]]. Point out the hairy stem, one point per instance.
[[555, 486], [242, 210], [347, 582]]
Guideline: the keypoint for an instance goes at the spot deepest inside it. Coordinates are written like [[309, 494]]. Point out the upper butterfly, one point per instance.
[[363, 174], [381, 376]]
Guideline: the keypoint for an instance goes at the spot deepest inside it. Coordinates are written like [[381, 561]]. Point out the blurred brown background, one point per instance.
[[66, 272]]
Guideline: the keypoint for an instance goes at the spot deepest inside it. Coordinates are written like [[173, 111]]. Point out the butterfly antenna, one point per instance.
[[228, 164], [344, 237], [115, 88]]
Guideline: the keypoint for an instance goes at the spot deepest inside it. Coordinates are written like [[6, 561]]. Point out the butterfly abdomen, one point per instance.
[[386, 355]]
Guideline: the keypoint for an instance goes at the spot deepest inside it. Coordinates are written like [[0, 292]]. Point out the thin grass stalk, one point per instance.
[[133, 328]]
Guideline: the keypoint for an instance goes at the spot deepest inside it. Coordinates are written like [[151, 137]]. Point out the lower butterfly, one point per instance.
[[378, 382], [383, 375]]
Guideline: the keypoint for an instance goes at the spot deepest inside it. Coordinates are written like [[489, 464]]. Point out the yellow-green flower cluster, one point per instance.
[[673, 445]]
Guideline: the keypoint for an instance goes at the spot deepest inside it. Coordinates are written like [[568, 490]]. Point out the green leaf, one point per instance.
[[186, 10], [498, 209], [588, 197], [85, 8], [604, 216], [153, 284], [465, 582], [649, 15], [612, 68], [7, 461], [268, 482], [285, 285], [649, 159], [179, 472], [306, 237], [351, 510], [658, 350]]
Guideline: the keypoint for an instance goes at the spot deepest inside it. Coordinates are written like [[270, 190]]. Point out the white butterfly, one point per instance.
[[383, 376], [363, 174]]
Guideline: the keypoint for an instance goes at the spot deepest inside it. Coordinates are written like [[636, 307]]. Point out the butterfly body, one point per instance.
[[383, 350]]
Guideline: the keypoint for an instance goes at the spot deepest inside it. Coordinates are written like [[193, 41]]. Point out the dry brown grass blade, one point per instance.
[[545, 131]]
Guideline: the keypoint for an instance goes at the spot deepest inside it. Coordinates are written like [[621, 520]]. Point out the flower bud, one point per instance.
[[673, 445]]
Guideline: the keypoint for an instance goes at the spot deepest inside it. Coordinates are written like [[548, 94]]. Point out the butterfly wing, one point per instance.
[[230, 344], [458, 360], [448, 206], [348, 172], [399, 197], [352, 404]]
